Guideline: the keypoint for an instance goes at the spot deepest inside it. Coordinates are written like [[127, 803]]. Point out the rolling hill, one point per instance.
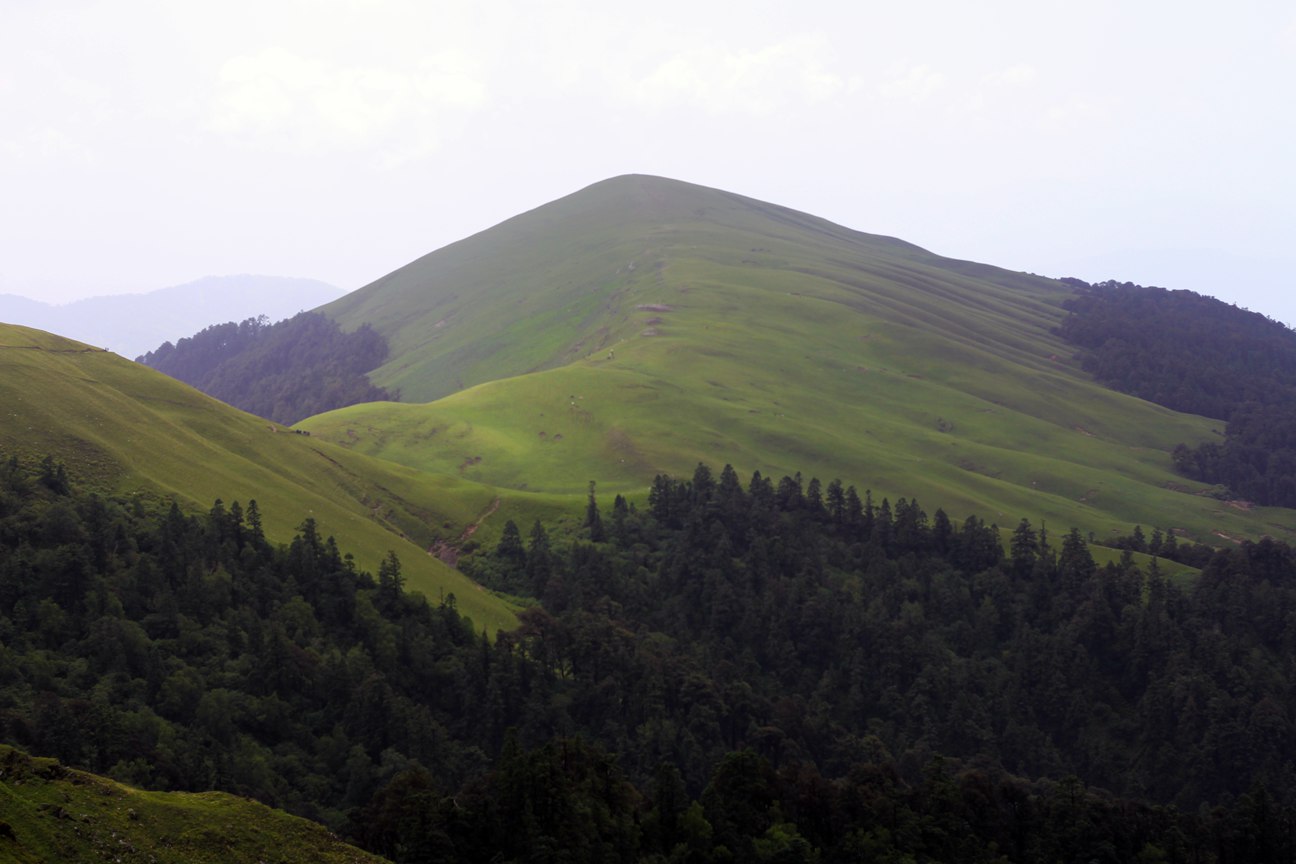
[[53, 813], [126, 429], [642, 325]]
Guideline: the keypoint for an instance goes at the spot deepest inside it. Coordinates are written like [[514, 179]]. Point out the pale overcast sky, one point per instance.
[[146, 143]]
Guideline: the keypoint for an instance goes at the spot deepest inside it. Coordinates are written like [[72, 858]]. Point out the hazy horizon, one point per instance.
[[148, 144]]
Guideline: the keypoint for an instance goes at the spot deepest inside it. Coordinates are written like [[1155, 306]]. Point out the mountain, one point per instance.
[[54, 813], [642, 325], [716, 670], [284, 372], [22, 309], [123, 428], [131, 324]]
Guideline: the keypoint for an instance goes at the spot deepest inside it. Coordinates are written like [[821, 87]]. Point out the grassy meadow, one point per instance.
[[51, 813], [122, 428], [643, 325]]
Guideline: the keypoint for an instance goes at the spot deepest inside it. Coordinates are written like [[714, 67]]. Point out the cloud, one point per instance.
[[916, 84], [50, 111], [992, 87], [279, 100], [1073, 115], [1014, 76], [759, 81]]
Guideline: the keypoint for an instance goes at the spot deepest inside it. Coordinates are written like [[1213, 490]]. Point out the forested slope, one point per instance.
[[284, 372], [756, 672], [1198, 354]]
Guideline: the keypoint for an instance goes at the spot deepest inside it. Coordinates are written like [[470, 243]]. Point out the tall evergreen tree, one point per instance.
[[593, 519]]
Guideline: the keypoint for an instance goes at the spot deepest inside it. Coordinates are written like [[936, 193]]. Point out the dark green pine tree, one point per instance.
[[853, 515], [835, 501], [253, 519], [593, 520], [814, 500], [539, 561], [620, 513], [53, 476], [509, 550], [1024, 548], [390, 581], [703, 487], [659, 499], [942, 533]]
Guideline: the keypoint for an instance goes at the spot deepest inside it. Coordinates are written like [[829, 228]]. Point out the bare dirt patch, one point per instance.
[[448, 552]]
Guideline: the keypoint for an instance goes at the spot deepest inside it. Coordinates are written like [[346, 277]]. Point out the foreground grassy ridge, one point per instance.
[[51, 813], [124, 428], [755, 335]]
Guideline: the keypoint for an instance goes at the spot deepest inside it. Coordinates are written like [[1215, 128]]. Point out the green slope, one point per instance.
[[51, 813], [124, 428], [642, 325], [551, 285]]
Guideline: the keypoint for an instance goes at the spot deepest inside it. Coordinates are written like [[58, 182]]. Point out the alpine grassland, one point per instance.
[[642, 325], [124, 429], [49, 812]]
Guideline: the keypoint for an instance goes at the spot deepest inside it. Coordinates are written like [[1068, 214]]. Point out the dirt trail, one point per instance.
[[449, 552]]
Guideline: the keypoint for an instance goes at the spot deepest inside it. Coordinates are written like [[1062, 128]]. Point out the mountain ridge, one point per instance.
[[643, 325], [589, 213], [125, 429]]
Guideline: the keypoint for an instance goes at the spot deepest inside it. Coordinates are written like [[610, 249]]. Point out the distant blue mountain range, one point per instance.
[[134, 324]]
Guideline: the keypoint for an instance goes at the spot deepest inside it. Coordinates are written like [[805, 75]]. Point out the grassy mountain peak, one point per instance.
[[550, 284], [642, 325]]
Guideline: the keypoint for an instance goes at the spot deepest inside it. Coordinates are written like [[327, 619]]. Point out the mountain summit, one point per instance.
[[642, 325], [573, 268]]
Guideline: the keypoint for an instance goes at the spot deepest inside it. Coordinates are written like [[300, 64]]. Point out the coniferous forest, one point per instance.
[[284, 372], [732, 672], [1197, 354]]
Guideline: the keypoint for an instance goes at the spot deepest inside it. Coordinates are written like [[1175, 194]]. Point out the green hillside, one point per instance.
[[51, 813], [642, 325], [126, 429]]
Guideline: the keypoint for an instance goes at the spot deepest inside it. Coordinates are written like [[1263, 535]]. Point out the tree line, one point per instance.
[[1199, 355], [285, 372]]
